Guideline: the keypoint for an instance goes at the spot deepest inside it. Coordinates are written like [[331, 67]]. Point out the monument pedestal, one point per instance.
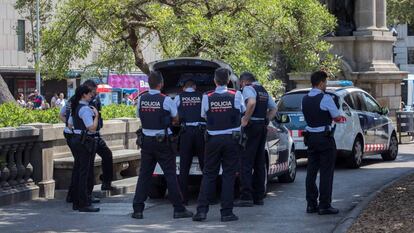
[[367, 56]]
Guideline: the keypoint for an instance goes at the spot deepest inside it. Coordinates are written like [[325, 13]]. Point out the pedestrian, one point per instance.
[[319, 110], [53, 100], [222, 109], [260, 109], [60, 102], [85, 124], [38, 100], [157, 112], [20, 100], [192, 130]]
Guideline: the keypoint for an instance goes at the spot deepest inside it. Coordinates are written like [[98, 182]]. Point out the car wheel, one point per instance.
[[158, 189], [355, 159], [289, 176], [392, 152]]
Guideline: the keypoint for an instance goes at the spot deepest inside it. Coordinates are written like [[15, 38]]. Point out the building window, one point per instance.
[[21, 35], [410, 56], [410, 29]]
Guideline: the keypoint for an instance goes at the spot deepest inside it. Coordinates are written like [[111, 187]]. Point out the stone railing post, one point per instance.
[[11, 164], [42, 160], [132, 125], [4, 171], [26, 163], [19, 163]]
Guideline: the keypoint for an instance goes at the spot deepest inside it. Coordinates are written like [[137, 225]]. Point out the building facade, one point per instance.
[[17, 66], [404, 48]]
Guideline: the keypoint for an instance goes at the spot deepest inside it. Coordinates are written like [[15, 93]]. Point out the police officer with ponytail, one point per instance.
[[85, 123], [222, 109], [157, 112], [192, 130]]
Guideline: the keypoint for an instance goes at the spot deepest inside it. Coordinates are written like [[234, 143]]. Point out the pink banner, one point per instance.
[[138, 81]]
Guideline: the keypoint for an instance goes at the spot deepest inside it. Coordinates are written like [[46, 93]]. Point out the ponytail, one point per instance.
[[80, 91]]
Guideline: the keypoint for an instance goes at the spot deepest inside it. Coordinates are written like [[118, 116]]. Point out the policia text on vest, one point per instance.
[[157, 113]]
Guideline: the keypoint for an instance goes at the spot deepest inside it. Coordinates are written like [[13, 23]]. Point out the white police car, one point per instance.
[[367, 130], [280, 156]]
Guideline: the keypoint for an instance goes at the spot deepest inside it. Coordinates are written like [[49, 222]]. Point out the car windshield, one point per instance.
[[292, 102]]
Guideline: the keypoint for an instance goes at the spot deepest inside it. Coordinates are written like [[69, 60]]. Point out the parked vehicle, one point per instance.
[[367, 130], [280, 156]]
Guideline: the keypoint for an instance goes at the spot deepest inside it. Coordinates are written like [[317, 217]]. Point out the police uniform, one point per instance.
[[84, 150], [103, 151], [155, 111], [253, 158], [222, 108], [68, 134], [191, 135], [319, 110]]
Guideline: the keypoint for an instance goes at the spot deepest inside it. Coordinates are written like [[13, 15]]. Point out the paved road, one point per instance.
[[284, 209]]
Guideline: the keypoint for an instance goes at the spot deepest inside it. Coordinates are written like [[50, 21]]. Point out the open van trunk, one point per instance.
[[202, 71]]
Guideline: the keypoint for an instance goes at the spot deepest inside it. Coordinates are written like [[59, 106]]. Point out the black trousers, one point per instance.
[[68, 138], [321, 157], [191, 144], [151, 153], [107, 167], [220, 150], [253, 162], [82, 169]]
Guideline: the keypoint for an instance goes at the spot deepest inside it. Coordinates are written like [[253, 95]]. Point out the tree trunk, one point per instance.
[[5, 95]]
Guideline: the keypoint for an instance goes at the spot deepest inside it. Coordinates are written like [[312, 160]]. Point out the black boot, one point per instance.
[[107, 187], [183, 214]]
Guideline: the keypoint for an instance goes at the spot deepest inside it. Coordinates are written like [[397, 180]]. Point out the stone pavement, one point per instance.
[[284, 209]]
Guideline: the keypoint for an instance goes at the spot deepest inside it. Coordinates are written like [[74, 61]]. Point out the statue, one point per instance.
[[344, 12]]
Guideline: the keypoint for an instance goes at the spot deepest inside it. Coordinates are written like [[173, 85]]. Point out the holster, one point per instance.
[[88, 141], [305, 135], [140, 137], [240, 138]]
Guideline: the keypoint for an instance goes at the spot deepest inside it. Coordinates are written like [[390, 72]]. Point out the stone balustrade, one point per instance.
[[16, 163], [27, 155]]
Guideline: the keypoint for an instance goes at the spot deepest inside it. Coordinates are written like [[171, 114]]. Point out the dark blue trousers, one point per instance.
[[220, 150], [253, 162], [191, 144], [321, 157], [151, 153]]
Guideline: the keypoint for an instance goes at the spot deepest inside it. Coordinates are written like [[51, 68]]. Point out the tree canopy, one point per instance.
[[400, 11], [244, 33]]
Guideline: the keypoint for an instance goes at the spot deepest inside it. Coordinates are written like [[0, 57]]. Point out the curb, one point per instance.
[[345, 223]]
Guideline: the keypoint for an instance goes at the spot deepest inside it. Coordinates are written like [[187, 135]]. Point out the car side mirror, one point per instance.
[[384, 111], [282, 118]]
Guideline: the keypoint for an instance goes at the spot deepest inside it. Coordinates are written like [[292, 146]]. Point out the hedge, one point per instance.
[[12, 115]]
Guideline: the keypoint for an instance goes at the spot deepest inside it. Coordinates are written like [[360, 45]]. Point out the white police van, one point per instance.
[[367, 130]]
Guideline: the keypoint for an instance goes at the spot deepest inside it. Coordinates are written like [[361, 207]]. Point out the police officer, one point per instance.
[[85, 123], [157, 112], [260, 108], [68, 133], [102, 149], [222, 109], [192, 131], [319, 111]]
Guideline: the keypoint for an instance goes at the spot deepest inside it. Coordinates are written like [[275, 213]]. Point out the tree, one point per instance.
[[5, 95], [400, 11], [244, 33]]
